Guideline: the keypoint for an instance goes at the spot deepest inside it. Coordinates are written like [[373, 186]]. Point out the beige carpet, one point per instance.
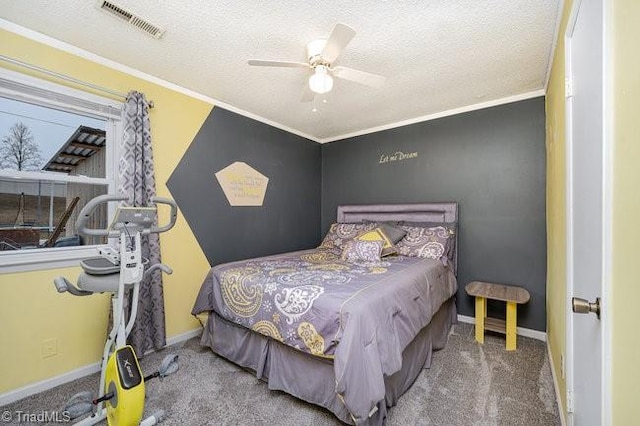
[[467, 384]]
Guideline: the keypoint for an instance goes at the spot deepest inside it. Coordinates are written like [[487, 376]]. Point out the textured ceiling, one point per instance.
[[437, 55]]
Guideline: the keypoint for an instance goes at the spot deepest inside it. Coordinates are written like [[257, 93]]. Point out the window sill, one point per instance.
[[44, 258]]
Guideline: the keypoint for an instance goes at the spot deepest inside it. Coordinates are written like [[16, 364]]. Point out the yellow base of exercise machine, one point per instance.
[[125, 384]]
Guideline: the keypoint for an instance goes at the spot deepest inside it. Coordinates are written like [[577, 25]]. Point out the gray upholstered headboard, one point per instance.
[[413, 212]]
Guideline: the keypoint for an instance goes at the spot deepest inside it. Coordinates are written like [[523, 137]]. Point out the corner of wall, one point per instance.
[[556, 209]]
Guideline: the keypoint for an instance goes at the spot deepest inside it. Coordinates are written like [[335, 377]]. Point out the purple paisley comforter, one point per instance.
[[361, 315]]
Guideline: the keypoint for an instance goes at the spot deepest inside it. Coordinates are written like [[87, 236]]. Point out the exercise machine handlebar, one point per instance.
[[87, 211], [173, 215], [92, 205], [62, 285]]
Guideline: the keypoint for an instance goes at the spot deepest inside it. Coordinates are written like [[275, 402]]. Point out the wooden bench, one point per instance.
[[513, 295]]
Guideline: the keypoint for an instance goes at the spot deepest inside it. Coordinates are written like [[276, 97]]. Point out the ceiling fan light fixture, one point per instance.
[[320, 82]]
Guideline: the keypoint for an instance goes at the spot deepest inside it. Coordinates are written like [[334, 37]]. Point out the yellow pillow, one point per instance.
[[377, 234]]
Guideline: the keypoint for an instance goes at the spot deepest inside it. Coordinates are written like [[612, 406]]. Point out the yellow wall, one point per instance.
[[625, 291], [556, 207], [30, 309]]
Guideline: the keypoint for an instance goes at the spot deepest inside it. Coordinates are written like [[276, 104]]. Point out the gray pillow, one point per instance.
[[394, 233]]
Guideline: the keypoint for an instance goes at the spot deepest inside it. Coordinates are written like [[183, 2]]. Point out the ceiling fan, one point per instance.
[[321, 54]]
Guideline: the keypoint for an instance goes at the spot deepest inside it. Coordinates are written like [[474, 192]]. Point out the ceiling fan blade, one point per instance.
[[362, 77], [307, 94], [284, 64], [337, 41]]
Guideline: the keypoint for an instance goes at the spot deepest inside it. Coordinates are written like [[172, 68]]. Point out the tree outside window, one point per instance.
[[18, 150]]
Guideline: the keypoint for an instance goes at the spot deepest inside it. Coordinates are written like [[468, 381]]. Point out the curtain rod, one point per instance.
[[66, 78]]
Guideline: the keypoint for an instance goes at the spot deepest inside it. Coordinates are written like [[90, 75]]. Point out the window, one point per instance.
[[57, 152]]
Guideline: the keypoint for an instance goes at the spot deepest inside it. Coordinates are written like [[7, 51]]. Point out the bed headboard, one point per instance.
[[412, 212]]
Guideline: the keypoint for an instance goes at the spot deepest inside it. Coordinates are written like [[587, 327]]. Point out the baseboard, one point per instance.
[[521, 331], [184, 336], [556, 386], [34, 388]]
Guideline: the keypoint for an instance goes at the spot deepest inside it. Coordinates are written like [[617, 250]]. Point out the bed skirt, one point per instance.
[[311, 378]]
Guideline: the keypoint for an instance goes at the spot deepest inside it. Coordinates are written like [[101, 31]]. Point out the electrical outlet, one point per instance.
[[562, 366], [49, 347]]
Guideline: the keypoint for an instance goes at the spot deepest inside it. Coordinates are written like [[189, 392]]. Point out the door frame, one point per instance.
[[607, 213]]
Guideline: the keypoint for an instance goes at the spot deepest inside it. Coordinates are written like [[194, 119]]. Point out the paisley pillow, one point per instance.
[[378, 234], [340, 233], [433, 243], [452, 228], [358, 251]]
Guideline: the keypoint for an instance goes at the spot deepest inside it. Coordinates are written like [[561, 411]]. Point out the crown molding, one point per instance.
[[455, 111]]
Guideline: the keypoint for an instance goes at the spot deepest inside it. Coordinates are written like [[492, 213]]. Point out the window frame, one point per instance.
[[25, 88]]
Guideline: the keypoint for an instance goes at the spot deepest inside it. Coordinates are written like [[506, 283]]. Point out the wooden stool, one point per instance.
[[513, 295]]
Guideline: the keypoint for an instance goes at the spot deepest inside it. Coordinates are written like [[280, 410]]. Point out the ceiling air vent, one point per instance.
[[118, 11]]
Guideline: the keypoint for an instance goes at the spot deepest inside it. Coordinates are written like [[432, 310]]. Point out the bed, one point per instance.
[[349, 336]]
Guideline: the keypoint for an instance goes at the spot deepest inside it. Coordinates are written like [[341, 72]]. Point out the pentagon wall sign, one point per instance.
[[242, 184]]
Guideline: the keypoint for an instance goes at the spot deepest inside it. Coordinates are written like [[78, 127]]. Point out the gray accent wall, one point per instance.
[[290, 216], [491, 161]]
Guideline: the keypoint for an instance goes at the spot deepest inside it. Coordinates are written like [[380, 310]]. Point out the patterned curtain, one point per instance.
[[137, 181]]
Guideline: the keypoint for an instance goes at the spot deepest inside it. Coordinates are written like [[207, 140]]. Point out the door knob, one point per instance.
[[582, 306]]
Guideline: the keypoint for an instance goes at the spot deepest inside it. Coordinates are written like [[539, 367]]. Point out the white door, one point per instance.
[[587, 213]]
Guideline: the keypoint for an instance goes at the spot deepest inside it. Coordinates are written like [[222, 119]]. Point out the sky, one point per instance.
[[50, 128]]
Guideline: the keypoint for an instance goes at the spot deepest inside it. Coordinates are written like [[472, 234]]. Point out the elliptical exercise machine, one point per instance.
[[122, 390]]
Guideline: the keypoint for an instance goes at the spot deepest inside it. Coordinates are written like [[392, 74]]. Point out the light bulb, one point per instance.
[[320, 82]]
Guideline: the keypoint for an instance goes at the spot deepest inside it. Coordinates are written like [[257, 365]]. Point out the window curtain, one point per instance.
[[137, 181]]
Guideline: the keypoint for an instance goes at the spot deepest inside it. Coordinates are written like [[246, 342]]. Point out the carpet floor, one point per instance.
[[467, 384]]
